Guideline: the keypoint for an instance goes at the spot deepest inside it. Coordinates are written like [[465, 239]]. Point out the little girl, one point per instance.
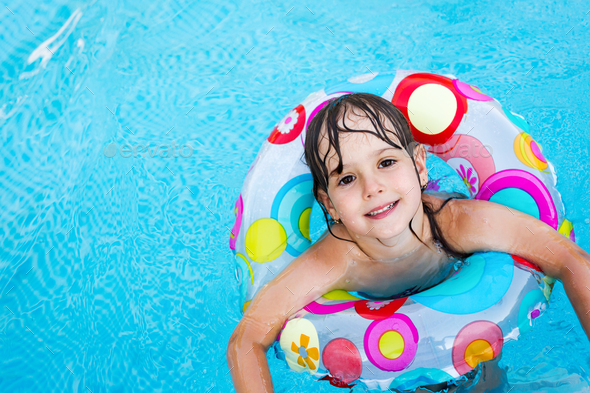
[[386, 237]]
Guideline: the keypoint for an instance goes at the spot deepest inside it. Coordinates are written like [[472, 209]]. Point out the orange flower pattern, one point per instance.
[[305, 354]]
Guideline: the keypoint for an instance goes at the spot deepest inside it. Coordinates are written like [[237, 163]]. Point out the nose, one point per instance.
[[372, 186]]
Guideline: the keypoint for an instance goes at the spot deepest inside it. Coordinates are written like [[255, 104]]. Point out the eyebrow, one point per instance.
[[376, 153]]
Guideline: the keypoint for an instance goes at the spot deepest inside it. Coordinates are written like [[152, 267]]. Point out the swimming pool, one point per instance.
[[128, 127]]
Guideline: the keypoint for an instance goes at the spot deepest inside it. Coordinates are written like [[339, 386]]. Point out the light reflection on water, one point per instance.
[[116, 275]]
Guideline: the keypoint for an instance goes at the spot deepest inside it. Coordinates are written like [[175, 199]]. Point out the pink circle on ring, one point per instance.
[[405, 327], [478, 155], [316, 110], [523, 180], [468, 91], [236, 229]]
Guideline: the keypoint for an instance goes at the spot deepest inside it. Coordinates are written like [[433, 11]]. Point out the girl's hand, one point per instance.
[[314, 273]]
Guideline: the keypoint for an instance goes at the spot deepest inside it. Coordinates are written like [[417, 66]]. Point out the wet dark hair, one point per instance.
[[376, 109]]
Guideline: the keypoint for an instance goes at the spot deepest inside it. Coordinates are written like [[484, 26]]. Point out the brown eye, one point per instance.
[[388, 160], [345, 183]]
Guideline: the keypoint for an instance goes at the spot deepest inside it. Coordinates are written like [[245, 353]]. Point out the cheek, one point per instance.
[[346, 203], [411, 178]]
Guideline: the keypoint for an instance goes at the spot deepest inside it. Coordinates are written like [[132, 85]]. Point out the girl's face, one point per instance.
[[375, 176]]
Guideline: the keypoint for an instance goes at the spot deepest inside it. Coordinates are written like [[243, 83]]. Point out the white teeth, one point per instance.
[[382, 210]]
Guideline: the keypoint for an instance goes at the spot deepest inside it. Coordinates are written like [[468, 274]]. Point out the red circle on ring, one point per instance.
[[408, 85], [363, 309], [343, 359], [279, 138], [523, 261]]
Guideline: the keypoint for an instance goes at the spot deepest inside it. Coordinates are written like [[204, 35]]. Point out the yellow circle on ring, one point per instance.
[[478, 351], [432, 108], [339, 294], [266, 239], [304, 223], [524, 152], [240, 255], [391, 344], [566, 227]]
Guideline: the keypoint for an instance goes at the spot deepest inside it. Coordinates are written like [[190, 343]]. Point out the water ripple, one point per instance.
[[115, 269]]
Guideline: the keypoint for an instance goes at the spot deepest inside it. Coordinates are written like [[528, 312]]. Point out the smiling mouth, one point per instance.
[[385, 209]]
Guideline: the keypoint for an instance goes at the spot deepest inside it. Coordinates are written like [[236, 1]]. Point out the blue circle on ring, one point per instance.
[[518, 121], [291, 200], [377, 86], [532, 300], [419, 377], [517, 199], [475, 287]]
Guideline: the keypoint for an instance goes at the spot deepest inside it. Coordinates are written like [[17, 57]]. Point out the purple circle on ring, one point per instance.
[[236, 229], [317, 109], [523, 180], [324, 309], [535, 313], [405, 327], [467, 91], [537, 152]]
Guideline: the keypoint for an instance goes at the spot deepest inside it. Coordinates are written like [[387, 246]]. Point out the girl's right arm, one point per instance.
[[315, 272]]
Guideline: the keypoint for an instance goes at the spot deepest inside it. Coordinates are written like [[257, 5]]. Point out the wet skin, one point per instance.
[[421, 267], [386, 258]]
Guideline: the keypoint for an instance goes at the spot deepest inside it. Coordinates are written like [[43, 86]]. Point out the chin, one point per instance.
[[382, 233], [387, 236]]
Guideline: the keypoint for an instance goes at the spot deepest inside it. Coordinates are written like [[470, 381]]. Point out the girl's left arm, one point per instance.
[[488, 226]]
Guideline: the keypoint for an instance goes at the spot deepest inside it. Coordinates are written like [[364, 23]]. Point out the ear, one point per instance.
[[328, 204], [420, 159]]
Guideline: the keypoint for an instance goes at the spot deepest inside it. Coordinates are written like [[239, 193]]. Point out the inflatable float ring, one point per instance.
[[476, 148]]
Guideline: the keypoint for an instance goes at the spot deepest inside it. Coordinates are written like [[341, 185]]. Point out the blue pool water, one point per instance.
[[116, 274]]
